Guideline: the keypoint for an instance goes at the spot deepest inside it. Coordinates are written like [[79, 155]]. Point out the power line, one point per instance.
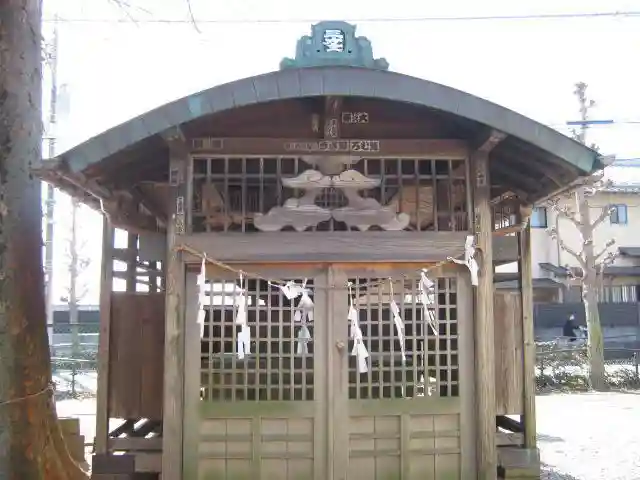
[[481, 18], [607, 124]]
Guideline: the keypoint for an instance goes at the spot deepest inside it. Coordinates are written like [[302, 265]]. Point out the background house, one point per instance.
[[556, 296]]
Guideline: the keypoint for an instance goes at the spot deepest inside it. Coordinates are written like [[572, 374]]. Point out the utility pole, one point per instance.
[[50, 202]]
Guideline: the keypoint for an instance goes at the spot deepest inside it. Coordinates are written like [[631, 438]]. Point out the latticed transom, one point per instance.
[[423, 361], [231, 193], [280, 365]]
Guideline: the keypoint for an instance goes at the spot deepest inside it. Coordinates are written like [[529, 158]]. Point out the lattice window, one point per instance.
[[228, 192], [278, 368], [431, 361], [505, 213]]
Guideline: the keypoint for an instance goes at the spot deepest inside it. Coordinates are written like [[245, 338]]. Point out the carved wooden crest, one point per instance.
[[302, 213]]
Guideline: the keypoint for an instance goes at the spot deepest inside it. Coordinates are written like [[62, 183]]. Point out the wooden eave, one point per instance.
[[529, 158]]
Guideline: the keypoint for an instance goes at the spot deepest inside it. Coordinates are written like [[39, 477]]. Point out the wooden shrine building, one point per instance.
[[330, 335]]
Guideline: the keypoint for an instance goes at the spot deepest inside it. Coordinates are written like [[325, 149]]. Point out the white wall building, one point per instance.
[[621, 280]]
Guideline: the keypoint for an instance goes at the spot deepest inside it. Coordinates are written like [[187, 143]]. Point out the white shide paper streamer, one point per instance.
[[303, 312], [243, 345], [397, 319], [359, 349], [202, 296], [469, 260], [426, 288]]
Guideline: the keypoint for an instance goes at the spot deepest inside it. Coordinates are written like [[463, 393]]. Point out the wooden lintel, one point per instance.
[[313, 247], [489, 141], [122, 255], [431, 148], [510, 230], [135, 444], [123, 276]]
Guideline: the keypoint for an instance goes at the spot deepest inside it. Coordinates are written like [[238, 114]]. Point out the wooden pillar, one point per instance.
[[106, 289], [132, 262], [173, 407], [528, 338], [485, 381]]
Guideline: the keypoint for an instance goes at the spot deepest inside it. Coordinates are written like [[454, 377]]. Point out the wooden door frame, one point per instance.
[[191, 413], [328, 440]]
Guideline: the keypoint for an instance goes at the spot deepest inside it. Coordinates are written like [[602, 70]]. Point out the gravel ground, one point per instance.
[[582, 436], [589, 436]]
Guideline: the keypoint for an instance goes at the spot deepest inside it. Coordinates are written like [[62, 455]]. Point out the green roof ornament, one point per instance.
[[334, 43]]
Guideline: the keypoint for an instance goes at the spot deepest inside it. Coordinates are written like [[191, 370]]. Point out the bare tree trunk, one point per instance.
[[31, 442], [595, 341], [595, 346]]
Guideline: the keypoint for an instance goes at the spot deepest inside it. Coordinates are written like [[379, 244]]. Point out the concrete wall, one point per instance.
[[620, 322]]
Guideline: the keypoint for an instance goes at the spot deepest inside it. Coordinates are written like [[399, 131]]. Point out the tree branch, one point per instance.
[[124, 6], [608, 260], [573, 253], [193, 18], [610, 243], [604, 214], [564, 211]]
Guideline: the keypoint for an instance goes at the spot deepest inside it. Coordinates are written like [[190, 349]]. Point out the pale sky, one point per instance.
[[114, 69]]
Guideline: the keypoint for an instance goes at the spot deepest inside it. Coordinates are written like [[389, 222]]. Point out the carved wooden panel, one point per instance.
[[335, 193]]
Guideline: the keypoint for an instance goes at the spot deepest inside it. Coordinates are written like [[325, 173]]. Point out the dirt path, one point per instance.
[[589, 436]]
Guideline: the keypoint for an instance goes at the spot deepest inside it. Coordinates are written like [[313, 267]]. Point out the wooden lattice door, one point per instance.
[[264, 416], [408, 415], [297, 407]]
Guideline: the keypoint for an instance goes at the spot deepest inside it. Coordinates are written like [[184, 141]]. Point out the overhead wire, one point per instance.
[[471, 18]]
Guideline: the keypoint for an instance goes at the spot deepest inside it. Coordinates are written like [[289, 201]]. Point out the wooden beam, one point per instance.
[[528, 338], [315, 247], [135, 444], [448, 149], [138, 197], [513, 173], [510, 230], [106, 287], [488, 141], [173, 407], [485, 381], [121, 208], [520, 160], [508, 439]]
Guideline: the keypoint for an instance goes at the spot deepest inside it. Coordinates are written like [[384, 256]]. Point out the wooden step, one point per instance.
[[519, 463]]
